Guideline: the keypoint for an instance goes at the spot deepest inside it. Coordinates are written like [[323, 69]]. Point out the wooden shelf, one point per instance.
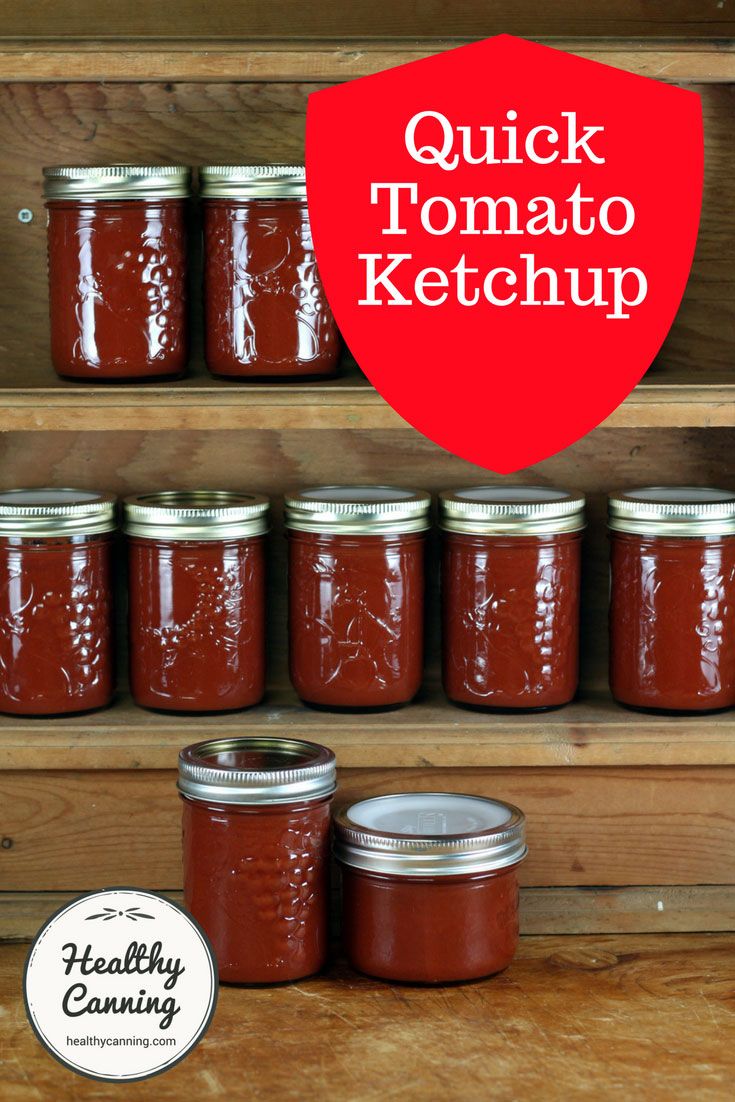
[[431, 733], [622, 1016], [704, 61]]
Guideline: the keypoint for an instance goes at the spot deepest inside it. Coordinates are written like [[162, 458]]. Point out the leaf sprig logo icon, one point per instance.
[[108, 913]]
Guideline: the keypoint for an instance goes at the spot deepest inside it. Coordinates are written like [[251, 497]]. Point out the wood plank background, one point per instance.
[[74, 831], [411, 18], [220, 122]]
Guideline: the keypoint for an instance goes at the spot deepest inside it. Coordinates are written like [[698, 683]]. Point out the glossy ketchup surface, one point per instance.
[[266, 313], [117, 285]]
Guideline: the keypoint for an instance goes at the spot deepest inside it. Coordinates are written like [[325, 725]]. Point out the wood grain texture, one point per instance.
[[708, 61], [410, 18], [74, 831], [668, 909], [195, 123], [609, 1017], [270, 462], [430, 733]]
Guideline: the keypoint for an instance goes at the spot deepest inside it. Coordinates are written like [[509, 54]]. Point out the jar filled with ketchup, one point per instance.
[[266, 314], [56, 619], [672, 598], [196, 599], [117, 271], [356, 594], [510, 595], [429, 885], [256, 822]]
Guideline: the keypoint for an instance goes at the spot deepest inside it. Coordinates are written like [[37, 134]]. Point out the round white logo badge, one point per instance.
[[120, 984]]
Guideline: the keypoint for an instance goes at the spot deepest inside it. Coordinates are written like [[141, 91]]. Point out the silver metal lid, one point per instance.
[[117, 182], [195, 515], [358, 510], [673, 511], [258, 770], [430, 834], [511, 510], [47, 512], [252, 182]]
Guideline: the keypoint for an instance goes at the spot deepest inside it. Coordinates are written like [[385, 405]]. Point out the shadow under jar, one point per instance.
[[56, 621], [266, 314], [356, 594], [117, 271], [256, 825], [196, 599], [511, 566], [672, 598], [429, 885]]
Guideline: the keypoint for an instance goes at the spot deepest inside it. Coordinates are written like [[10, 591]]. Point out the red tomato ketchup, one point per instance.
[[56, 620], [266, 313], [430, 892], [672, 598], [256, 821], [197, 599], [511, 569], [356, 594], [117, 270]]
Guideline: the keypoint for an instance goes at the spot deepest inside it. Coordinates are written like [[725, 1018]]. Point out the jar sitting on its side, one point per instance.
[[430, 891], [266, 314], [197, 599], [56, 620], [117, 271], [672, 598], [256, 821], [511, 570], [356, 594]]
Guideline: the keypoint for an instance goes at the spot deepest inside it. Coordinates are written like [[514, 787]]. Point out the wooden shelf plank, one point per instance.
[[708, 60], [199, 403], [430, 733]]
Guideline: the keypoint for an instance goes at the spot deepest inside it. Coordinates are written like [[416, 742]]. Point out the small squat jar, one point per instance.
[[429, 885], [672, 598], [117, 271], [256, 822], [266, 314], [511, 569], [56, 621], [356, 594], [197, 599]]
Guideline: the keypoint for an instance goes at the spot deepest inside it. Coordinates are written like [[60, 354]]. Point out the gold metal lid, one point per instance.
[[430, 834], [117, 182], [195, 515], [252, 182], [511, 510], [673, 511], [358, 510], [48, 511], [259, 770]]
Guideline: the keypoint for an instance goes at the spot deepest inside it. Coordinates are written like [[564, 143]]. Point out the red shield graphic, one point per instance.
[[504, 232]]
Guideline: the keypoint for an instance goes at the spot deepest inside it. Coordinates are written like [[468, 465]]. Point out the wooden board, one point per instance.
[[411, 18], [430, 733], [609, 1017], [667, 909], [216, 122], [73, 831]]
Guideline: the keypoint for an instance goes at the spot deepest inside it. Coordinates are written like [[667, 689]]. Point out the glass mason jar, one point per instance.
[[256, 822], [511, 570], [429, 885], [672, 598], [196, 599], [56, 620], [117, 271], [356, 594], [266, 314]]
